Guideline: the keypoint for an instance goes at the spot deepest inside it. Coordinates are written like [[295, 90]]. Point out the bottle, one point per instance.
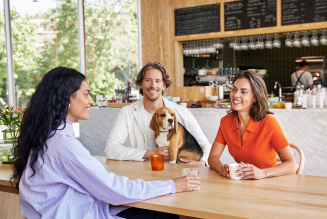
[[298, 95], [104, 103]]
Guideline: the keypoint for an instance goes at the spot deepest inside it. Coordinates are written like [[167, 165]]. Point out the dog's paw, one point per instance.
[[172, 162]]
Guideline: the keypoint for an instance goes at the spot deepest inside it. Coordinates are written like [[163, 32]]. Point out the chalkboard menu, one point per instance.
[[250, 14], [303, 11], [200, 19]]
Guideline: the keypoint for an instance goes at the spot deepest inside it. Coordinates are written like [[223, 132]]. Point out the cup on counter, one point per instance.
[[157, 161], [232, 168], [288, 105], [190, 172], [183, 104], [306, 99], [220, 92]]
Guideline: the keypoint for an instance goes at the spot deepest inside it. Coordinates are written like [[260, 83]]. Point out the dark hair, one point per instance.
[[260, 108], [152, 65], [303, 63], [46, 110]]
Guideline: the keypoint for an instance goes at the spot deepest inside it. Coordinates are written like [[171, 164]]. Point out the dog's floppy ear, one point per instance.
[[154, 124]]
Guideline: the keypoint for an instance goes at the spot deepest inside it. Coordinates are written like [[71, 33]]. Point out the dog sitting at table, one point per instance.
[[169, 132]]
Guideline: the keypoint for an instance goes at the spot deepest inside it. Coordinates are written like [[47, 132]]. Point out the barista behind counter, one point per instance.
[[302, 77]]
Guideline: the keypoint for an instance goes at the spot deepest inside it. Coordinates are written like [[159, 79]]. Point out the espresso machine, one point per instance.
[[217, 80]]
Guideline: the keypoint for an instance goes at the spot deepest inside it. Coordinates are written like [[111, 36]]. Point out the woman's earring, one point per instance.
[[68, 106]]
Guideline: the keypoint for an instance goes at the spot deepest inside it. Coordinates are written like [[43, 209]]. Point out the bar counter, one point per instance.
[[305, 128]]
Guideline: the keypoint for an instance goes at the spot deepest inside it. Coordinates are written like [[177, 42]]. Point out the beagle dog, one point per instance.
[[168, 132]]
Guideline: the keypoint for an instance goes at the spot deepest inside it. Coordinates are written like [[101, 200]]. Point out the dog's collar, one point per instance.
[[164, 131]]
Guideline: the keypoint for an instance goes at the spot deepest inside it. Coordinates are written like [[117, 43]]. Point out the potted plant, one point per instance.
[[11, 118]]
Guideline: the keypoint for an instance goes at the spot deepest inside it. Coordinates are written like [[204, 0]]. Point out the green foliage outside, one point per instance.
[[111, 45]]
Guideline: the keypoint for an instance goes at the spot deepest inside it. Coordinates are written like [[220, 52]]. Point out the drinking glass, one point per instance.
[[289, 41], [190, 52], [190, 172], [237, 45], [231, 43], [206, 47], [216, 43], [260, 44], [157, 161], [219, 44], [252, 44], [268, 43], [305, 41], [323, 38], [296, 41], [244, 45], [276, 43], [202, 48], [314, 39], [184, 48], [212, 49]]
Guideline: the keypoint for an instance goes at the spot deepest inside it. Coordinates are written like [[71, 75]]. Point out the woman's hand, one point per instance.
[[187, 183], [223, 170], [249, 171]]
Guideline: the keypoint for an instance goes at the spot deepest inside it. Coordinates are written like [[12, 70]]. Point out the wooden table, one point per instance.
[[292, 196]]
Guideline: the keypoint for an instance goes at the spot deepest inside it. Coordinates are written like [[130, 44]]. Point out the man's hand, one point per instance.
[[191, 162], [157, 151], [187, 183]]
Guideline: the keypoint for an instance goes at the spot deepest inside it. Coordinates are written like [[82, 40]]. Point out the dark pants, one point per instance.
[[138, 213]]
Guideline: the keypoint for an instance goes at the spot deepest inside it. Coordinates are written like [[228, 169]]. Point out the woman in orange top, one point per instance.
[[252, 135]]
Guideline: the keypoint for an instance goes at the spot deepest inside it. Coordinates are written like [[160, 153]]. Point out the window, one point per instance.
[[44, 37], [111, 45], [3, 59]]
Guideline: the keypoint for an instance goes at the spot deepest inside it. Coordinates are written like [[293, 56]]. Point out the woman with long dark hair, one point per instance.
[[57, 177]]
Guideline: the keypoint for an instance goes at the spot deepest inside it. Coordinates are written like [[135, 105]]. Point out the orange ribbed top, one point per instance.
[[261, 140]]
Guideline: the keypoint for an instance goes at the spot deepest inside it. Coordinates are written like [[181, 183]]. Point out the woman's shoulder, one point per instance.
[[270, 120], [227, 118], [65, 146]]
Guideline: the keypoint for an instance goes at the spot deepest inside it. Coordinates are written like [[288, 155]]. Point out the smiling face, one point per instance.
[[242, 96], [80, 104], [152, 84]]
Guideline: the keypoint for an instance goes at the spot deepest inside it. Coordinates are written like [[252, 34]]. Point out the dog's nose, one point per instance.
[[170, 121]]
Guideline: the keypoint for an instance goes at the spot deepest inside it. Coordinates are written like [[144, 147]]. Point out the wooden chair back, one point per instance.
[[302, 159]]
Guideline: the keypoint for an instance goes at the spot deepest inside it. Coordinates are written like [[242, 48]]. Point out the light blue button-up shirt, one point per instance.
[[70, 183]]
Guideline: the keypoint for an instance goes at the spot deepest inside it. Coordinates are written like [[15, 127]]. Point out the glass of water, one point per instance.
[[190, 172]]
